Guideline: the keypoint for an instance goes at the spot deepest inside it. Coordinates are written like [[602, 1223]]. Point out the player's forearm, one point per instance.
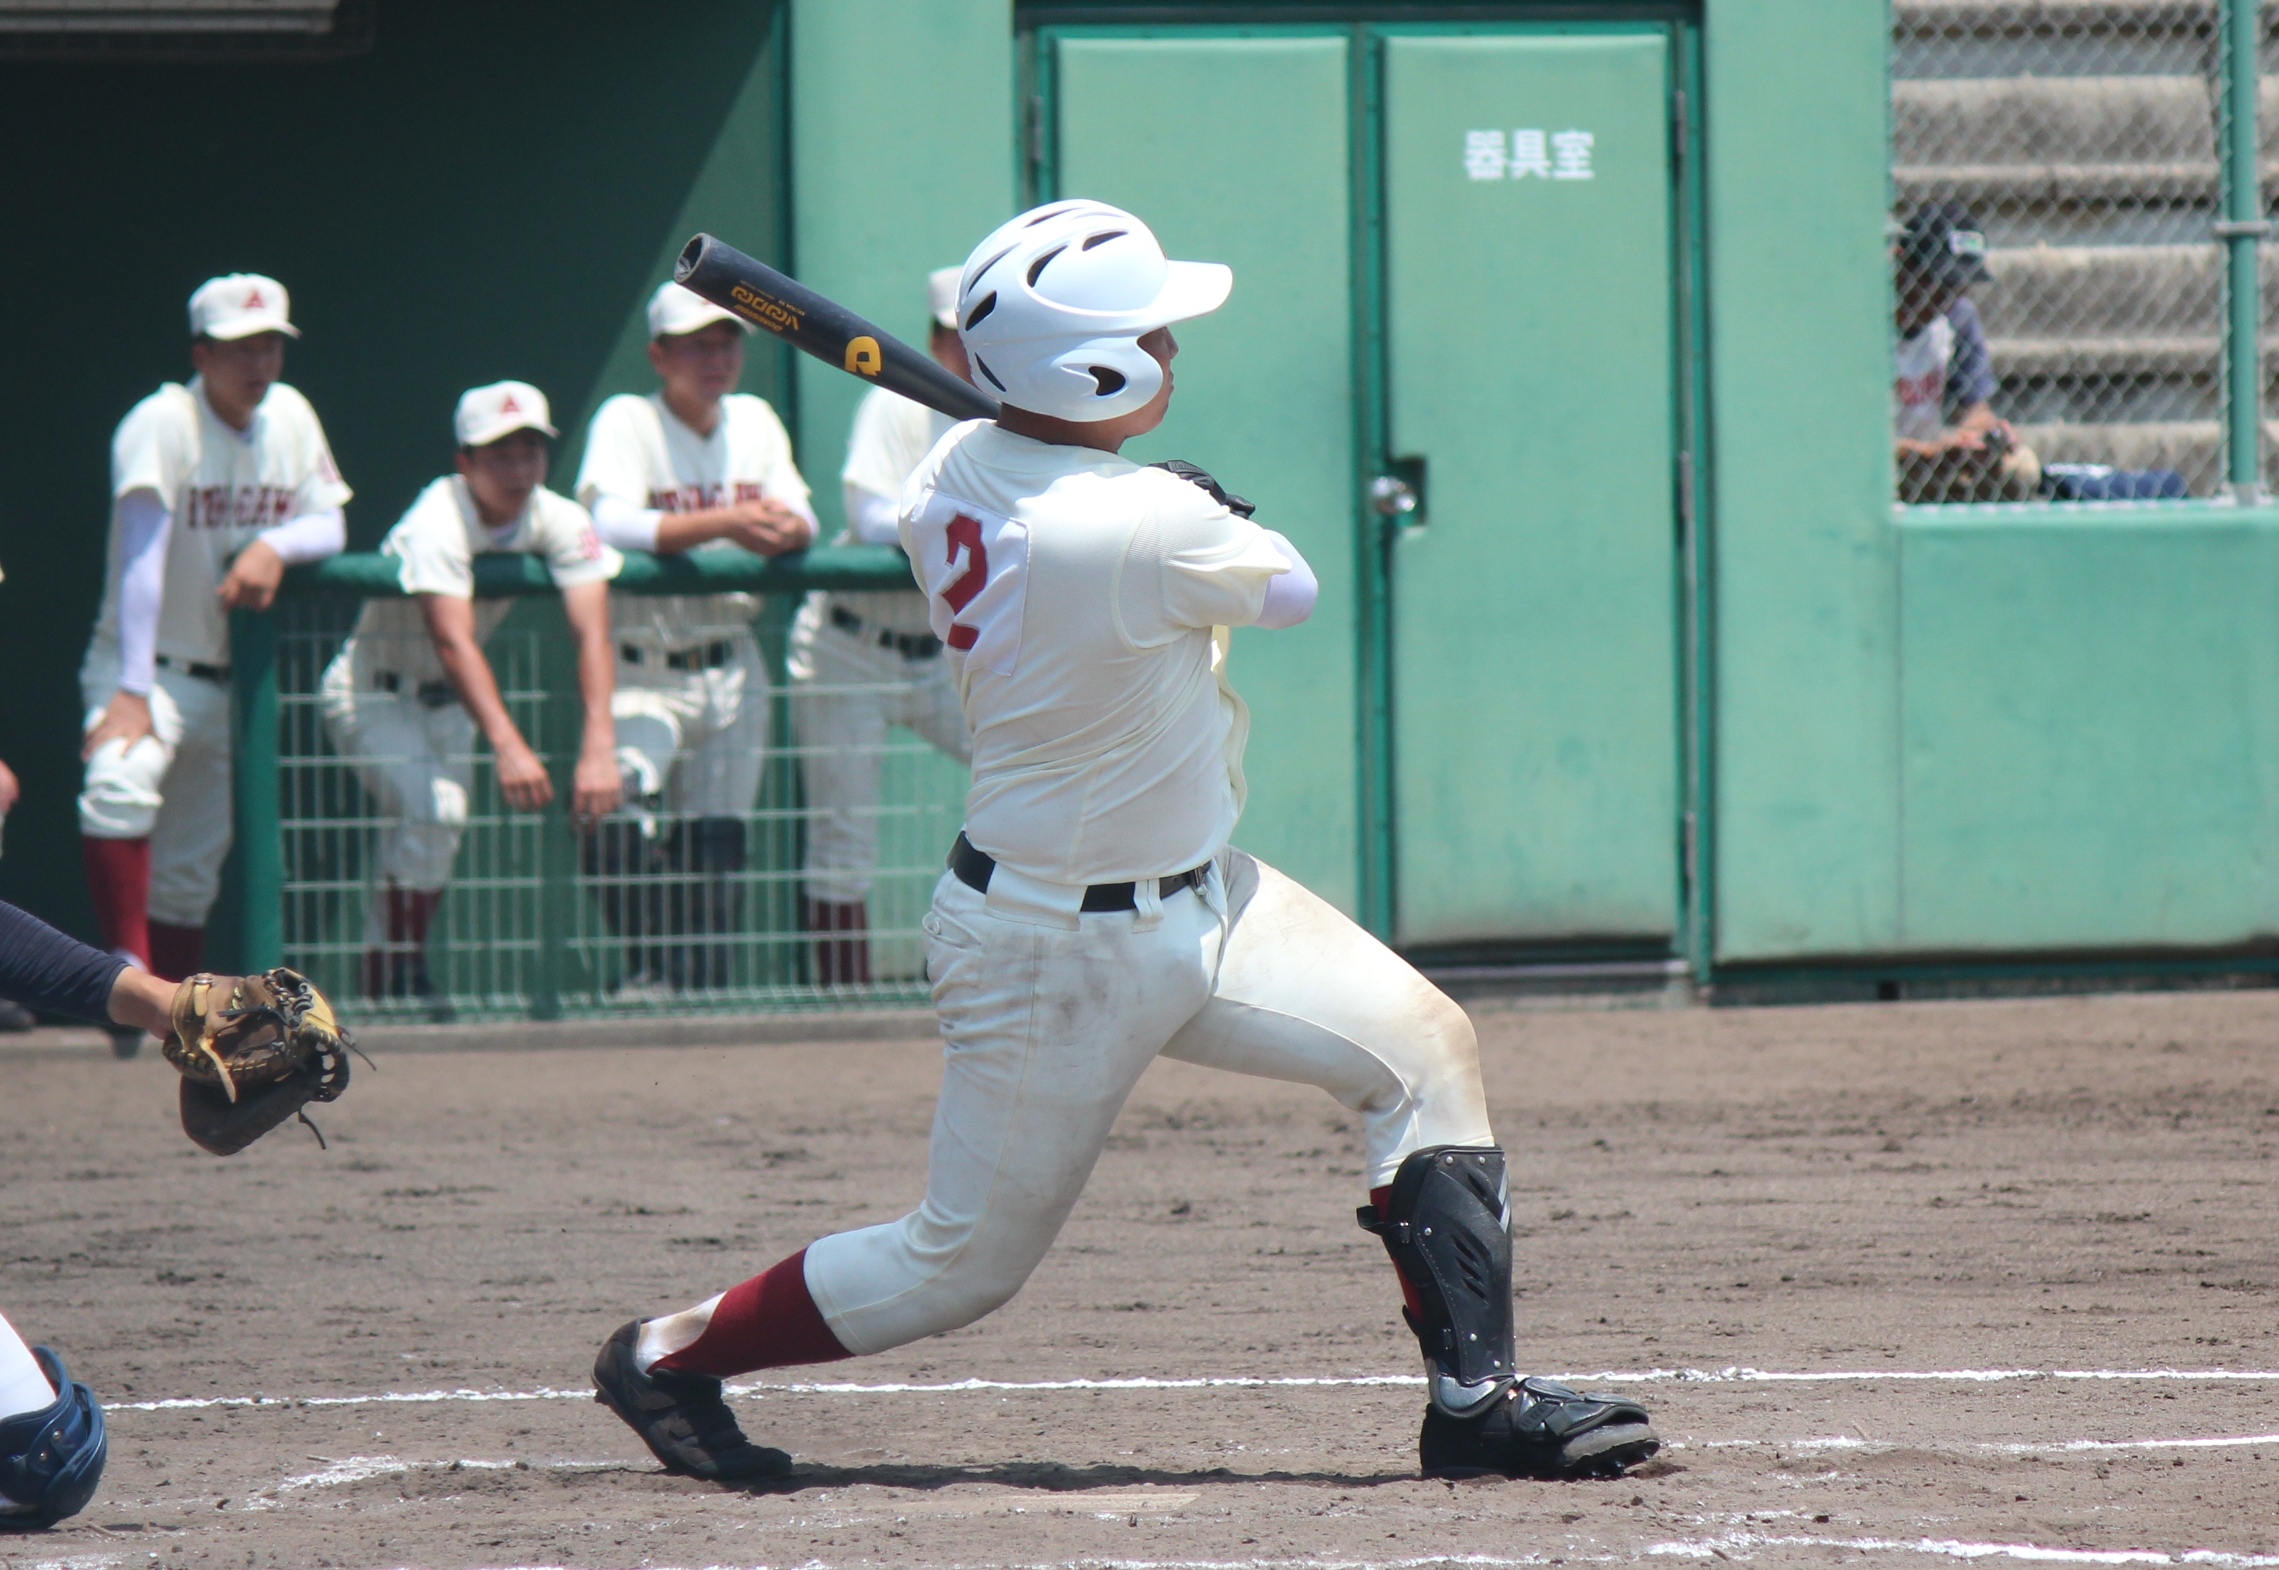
[[471, 677], [312, 536], [146, 526], [586, 607], [47, 970], [626, 525]]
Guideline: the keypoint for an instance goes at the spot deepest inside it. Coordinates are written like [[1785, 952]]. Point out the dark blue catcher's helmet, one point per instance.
[[51, 1460]]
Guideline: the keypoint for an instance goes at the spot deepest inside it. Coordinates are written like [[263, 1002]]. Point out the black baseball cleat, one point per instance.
[[1539, 1428], [682, 1418]]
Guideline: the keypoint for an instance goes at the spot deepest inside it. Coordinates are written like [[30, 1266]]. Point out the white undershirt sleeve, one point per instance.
[[1290, 595], [145, 525], [871, 518], [311, 537], [624, 525]]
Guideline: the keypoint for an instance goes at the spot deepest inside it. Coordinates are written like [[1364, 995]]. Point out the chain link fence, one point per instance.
[[665, 909], [2083, 139]]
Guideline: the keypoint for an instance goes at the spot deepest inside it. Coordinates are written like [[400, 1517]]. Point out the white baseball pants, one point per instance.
[[1047, 1029], [845, 691], [172, 786], [418, 763], [693, 742]]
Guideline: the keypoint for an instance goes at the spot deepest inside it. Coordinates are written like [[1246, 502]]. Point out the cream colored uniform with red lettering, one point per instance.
[[1085, 602], [692, 691], [223, 487]]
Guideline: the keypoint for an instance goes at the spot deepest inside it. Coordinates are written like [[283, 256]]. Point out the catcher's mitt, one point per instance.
[[253, 1051]]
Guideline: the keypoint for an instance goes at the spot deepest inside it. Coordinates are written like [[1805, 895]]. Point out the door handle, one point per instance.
[[1397, 496]]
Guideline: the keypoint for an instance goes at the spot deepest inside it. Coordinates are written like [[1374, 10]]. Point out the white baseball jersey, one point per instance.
[[224, 487], [437, 540], [1079, 595], [638, 450], [891, 437]]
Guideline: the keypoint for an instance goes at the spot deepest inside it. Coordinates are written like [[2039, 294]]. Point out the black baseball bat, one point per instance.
[[758, 294]]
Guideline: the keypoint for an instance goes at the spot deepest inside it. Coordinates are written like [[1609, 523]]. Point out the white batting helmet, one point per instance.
[[1053, 305]]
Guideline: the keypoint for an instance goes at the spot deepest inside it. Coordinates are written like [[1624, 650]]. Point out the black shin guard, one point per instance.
[[1447, 1225]]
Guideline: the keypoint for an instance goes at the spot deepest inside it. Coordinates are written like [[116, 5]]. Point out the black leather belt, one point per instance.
[[428, 694], [703, 657], [910, 645], [197, 668], [973, 868]]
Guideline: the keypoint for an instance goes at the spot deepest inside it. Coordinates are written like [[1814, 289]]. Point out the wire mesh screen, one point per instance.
[[2080, 138], [414, 893]]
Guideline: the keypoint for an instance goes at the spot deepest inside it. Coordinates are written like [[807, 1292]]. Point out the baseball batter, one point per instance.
[[216, 487], [408, 690], [862, 662], [694, 467], [1095, 915]]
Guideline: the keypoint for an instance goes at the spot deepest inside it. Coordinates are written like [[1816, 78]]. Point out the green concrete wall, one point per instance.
[[902, 134], [1805, 846], [490, 192]]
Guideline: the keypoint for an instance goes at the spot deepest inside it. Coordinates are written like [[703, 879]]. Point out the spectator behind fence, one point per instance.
[[1949, 444], [215, 489], [404, 696], [701, 468], [861, 662]]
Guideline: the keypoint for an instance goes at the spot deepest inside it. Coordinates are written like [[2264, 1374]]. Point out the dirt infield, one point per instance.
[[1958, 1219]]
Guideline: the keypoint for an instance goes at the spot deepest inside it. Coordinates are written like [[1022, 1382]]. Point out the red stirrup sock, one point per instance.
[[118, 877], [176, 952], [844, 961], [769, 1321], [1382, 1199]]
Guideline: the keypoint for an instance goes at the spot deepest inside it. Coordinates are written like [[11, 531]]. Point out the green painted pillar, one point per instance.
[[2242, 230], [257, 801]]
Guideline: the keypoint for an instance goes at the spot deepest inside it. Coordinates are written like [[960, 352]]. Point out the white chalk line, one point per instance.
[[1841, 1442], [1691, 1376], [356, 1469], [1731, 1545]]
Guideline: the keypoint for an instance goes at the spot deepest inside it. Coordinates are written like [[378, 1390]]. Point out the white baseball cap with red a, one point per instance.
[[674, 310], [238, 305], [487, 413]]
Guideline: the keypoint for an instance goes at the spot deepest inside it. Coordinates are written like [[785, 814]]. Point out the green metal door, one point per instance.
[[1474, 742], [1530, 380], [1233, 146]]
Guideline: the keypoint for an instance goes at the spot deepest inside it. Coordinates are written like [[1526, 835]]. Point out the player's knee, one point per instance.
[[422, 854]]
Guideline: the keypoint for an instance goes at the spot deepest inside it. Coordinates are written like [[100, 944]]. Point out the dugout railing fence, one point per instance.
[[524, 929]]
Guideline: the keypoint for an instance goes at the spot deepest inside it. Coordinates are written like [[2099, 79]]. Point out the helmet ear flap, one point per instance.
[[1108, 378]]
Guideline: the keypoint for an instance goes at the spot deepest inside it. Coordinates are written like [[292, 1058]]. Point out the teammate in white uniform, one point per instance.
[[405, 694], [698, 467], [1095, 916], [216, 488], [863, 661]]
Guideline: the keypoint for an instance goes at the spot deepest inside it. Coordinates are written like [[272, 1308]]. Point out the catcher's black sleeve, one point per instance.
[[43, 969]]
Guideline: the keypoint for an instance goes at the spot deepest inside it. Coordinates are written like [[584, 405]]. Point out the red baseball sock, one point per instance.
[[118, 876], [1382, 1199], [176, 952], [410, 913], [840, 962], [769, 1321]]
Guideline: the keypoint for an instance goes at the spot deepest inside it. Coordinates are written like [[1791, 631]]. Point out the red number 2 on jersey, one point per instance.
[[965, 534]]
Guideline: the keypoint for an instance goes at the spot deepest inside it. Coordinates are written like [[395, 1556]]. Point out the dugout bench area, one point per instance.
[[525, 930]]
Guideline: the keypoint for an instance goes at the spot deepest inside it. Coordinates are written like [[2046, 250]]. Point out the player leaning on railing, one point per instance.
[[694, 466], [407, 692], [1095, 915], [216, 487]]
